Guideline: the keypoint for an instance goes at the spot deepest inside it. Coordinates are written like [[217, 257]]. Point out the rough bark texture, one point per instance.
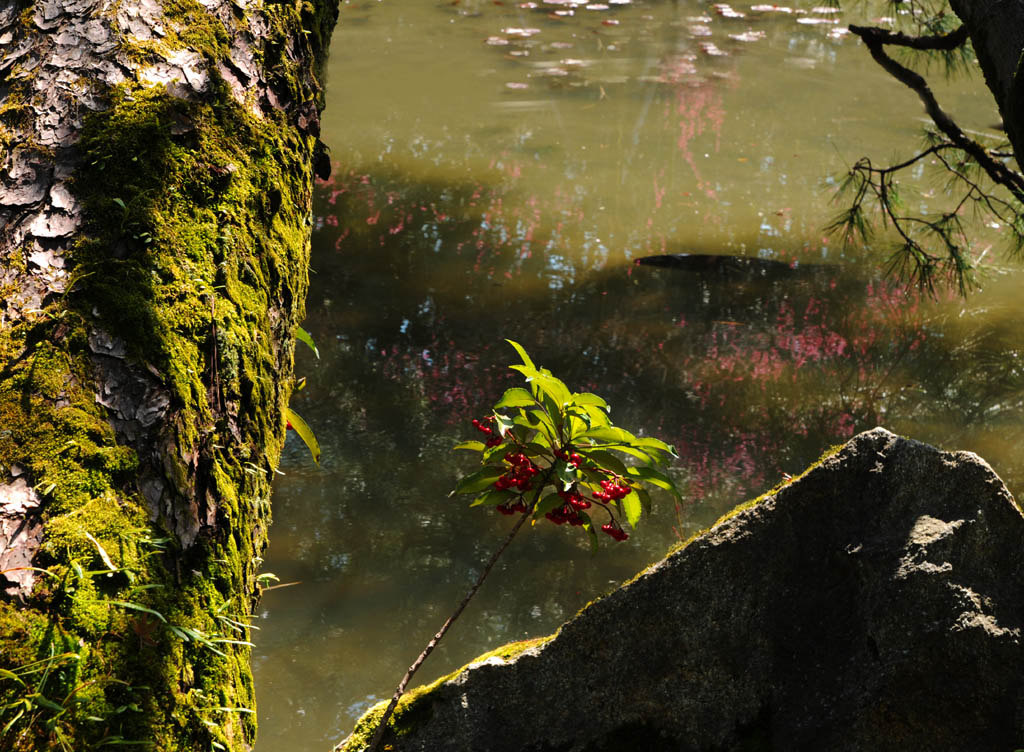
[[997, 32], [875, 603], [155, 201]]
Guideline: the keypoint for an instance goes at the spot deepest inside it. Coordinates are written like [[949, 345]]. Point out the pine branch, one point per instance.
[[949, 41], [876, 39]]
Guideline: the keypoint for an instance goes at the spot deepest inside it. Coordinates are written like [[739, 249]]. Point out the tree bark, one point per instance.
[[996, 29], [156, 161]]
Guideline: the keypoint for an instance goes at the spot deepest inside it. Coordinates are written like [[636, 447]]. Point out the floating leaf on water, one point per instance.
[[496, 41], [522, 33], [825, 10], [699, 30], [709, 48], [838, 32], [812, 21], [726, 11], [516, 85], [748, 36], [597, 6], [610, 22], [771, 9]]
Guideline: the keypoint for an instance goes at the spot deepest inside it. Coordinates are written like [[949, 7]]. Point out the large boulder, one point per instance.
[[875, 603]]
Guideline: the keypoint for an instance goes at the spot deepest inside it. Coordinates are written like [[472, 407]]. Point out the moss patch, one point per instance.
[[414, 707], [194, 253]]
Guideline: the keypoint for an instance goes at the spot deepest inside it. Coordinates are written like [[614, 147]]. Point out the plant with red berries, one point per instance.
[[547, 438], [549, 453]]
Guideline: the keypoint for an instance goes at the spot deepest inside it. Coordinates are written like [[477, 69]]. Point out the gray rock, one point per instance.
[[876, 603]]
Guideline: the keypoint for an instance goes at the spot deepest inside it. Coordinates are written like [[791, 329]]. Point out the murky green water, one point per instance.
[[498, 170]]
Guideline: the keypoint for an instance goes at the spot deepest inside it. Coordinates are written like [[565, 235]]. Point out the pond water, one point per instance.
[[498, 170]]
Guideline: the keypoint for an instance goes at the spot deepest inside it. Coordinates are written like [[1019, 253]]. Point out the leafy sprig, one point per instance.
[[547, 438]]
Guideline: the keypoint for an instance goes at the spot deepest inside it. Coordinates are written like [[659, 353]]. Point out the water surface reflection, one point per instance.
[[499, 171]]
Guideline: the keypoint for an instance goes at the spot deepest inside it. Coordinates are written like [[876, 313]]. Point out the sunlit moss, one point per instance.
[[194, 253], [413, 708]]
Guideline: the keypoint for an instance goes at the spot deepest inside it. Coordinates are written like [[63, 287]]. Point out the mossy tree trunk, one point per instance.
[[155, 204]]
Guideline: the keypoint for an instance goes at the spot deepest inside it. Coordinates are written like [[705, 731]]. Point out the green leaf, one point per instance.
[[598, 417], [305, 433], [120, 203], [627, 449], [515, 397], [493, 497], [588, 525], [522, 354], [610, 434], [46, 702], [594, 477], [491, 452], [545, 505], [303, 336], [554, 410], [578, 422], [479, 480], [655, 478], [630, 504], [554, 388], [537, 420], [538, 448], [568, 475], [504, 424], [476, 446], [5, 674], [137, 607], [605, 459], [645, 498], [586, 398], [529, 372], [653, 443]]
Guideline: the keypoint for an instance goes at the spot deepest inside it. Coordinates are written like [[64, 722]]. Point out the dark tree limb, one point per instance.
[[949, 41], [875, 39]]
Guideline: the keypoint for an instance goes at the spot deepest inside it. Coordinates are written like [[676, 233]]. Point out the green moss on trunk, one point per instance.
[[195, 255]]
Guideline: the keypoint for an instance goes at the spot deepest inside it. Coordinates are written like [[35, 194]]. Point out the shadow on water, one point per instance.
[[503, 170], [749, 367]]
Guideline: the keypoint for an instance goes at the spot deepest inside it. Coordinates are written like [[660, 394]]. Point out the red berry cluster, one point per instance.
[[481, 425], [518, 507], [519, 473], [612, 491], [614, 531], [574, 459], [565, 513], [574, 499]]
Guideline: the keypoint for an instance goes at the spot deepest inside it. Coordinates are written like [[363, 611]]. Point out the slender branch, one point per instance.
[[875, 39], [916, 158], [400, 689], [949, 41]]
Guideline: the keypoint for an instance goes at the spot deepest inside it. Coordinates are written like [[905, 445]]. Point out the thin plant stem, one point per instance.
[[400, 689]]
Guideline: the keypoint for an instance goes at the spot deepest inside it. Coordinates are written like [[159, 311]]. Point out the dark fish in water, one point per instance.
[[731, 267]]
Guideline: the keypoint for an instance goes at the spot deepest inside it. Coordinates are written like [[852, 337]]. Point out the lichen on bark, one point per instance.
[[155, 200]]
